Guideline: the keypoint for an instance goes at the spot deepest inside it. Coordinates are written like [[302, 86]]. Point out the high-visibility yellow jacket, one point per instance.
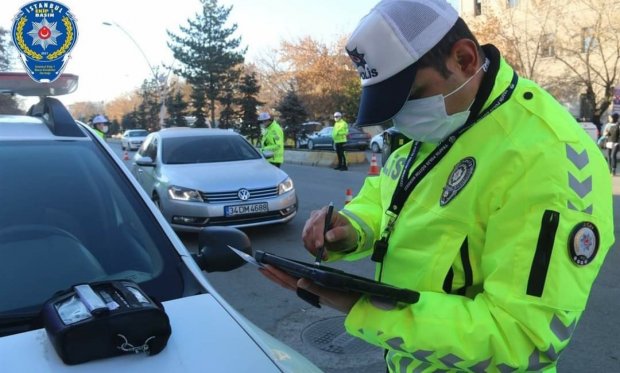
[[491, 238], [273, 140], [99, 133], [340, 131]]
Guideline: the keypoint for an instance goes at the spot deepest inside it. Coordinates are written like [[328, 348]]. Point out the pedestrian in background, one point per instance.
[[612, 139], [498, 211], [272, 138], [339, 135], [100, 125], [602, 140]]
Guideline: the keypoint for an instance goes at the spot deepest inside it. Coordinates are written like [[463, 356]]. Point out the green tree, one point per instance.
[[292, 114], [130, 121], [177, 110], [227, 99], [5, 50], [8, 104], [148, 109], [208, 53], [248, 102]]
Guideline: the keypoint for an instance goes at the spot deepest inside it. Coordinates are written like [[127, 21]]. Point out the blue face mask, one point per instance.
[[426, 119]]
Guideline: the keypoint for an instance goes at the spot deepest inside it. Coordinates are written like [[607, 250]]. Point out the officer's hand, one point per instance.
[[338, 300], [341, 237]]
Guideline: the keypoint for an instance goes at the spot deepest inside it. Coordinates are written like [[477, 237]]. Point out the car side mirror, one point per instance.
[[213, 252], [268, 154], [145, 162]]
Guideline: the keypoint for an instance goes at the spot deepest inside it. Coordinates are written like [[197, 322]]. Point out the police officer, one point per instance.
[[100, 125], [272, 139], [498, 212], [339, 135]]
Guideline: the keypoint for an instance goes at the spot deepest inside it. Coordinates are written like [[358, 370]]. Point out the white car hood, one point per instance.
[[204, 339], [225, 176]]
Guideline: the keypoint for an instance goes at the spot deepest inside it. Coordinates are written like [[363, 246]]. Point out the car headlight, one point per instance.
[[184, 194], [285, 186]]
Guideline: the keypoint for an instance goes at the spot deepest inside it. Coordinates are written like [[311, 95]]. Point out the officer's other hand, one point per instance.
[[340, 237], [338, 300], [279, 277]]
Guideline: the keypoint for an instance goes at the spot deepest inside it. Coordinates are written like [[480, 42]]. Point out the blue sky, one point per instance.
[[109, 63]]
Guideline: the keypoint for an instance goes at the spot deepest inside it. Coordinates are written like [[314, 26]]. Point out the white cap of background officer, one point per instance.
[[264, 116]]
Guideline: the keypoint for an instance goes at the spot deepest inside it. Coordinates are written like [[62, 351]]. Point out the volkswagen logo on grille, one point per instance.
[[243, 194]]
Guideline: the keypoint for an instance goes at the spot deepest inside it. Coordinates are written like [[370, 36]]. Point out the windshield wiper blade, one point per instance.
[[17, 317], [19, 322]]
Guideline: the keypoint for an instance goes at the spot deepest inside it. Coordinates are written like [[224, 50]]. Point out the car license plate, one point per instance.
[[245, 209]]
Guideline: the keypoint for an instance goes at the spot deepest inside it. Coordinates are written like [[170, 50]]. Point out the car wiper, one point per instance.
[[19, 322]]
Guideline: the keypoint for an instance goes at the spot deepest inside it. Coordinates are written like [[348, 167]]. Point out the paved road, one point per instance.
[[595, 346]]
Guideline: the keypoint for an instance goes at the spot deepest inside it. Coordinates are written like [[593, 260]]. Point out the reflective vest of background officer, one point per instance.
[[272, 139], [339, 135], [100, 125]]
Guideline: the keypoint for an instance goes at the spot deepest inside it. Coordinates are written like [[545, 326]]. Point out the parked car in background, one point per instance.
[[199, 177], [306, 130], [376, 142], [132, 139], [591, 129], [357, 139], [73, 214]]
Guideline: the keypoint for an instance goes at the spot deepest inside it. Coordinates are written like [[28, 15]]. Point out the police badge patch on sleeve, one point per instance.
[[583, 243], [457, 180], [44, 32]]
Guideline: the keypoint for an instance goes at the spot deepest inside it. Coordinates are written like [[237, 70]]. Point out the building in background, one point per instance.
[[570, 47]]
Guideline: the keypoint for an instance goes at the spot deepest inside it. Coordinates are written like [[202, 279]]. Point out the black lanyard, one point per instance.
[[406, 183]]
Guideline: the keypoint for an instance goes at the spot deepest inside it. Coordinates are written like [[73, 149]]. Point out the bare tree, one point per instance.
[[590, 50], [572, 48], [521, 33], [274, 77]]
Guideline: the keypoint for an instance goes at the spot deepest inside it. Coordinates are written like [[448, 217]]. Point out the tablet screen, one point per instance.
[[337, 279]]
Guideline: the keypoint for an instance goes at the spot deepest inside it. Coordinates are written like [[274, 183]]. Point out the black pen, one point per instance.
[[328, 221]]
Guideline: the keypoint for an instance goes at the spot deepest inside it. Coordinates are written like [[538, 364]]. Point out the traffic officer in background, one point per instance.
[[100, 125], [339, 135], [498, 212], [272, 138]]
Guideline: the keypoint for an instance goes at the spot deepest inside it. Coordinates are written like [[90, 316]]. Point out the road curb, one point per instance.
[[322, 158]]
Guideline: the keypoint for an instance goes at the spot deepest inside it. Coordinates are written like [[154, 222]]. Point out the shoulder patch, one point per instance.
[[583, 243], [457, 180]]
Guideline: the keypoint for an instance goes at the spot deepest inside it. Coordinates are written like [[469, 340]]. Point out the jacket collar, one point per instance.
[[496, 79]]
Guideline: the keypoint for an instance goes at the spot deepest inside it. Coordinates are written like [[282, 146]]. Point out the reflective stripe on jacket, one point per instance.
[[273, 140], [500, 289], [340, 131]]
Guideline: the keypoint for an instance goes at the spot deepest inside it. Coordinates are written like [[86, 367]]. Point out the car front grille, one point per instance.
[[255, 194], [246, 219]]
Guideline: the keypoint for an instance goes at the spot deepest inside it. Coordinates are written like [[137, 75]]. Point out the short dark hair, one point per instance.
[[615, 117], [436, 57]]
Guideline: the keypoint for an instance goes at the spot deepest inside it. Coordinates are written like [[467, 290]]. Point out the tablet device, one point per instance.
[[337, 279]]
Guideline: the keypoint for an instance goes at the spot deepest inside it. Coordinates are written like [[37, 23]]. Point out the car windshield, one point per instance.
[[138, 133], [69, 215], [207, 149]]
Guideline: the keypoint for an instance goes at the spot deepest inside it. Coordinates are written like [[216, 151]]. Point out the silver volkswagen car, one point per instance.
[[205, 176]]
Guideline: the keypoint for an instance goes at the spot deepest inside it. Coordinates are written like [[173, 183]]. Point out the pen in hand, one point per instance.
[[328, 220]]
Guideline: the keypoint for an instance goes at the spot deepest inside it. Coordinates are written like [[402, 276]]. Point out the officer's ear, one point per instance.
[[464, 58]]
